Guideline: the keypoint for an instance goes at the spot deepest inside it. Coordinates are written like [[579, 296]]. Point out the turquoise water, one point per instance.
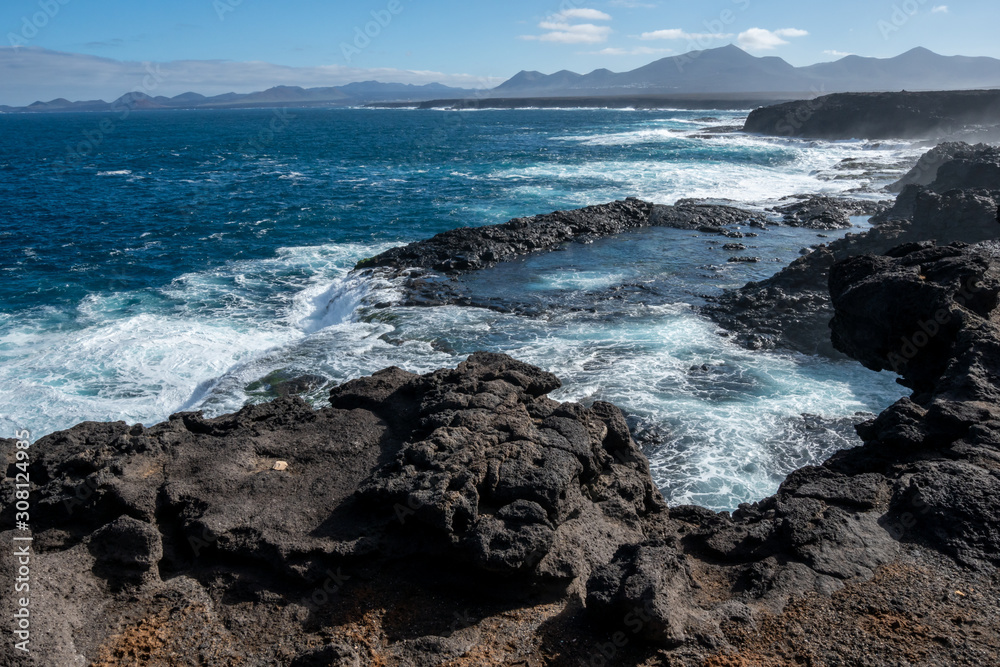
[[171, 262]]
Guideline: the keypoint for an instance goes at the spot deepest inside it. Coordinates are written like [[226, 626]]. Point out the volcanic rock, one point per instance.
[[902, 115]]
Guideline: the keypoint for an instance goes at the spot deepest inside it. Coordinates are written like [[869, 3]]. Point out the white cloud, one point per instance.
[[582, 14], [759, 39], [940, 9], [677, 33], [581, 33], [561, 27], [838, 54], [32, 73], [635, 51]]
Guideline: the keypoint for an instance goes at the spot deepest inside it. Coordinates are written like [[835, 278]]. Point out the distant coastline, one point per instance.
[[689, 101]]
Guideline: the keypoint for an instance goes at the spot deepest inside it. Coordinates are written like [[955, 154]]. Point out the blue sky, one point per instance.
[[472, 44]]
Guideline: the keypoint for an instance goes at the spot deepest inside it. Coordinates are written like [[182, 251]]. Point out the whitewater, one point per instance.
[[178, 265]]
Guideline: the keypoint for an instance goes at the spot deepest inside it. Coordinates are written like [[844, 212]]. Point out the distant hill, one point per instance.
[[729, 69], [349, 95]]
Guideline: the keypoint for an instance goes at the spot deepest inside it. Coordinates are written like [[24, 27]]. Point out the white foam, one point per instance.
[[140, 356], [138, 368], [739, 167], [119, 172]]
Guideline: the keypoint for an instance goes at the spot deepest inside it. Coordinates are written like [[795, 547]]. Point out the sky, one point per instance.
[[101, 49]]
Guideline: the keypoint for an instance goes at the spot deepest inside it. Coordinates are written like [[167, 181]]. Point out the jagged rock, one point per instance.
[[983, 159], [821, 212], [474, 248], [465, 473], [931, 313], [462, 515], [645, 588], [792, 309], [923, 294], [127, 547], [689, 214], [498, 470]]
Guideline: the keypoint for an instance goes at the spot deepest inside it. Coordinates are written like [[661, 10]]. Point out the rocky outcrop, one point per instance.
[[258, 520], [903, 115], [474, 248], [823, 212], [925, 476], [430, 271], [976, 167], [792, 309], [463, 517]]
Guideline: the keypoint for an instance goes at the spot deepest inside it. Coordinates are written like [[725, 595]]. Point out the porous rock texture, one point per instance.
[[183, 539], [464, 518]]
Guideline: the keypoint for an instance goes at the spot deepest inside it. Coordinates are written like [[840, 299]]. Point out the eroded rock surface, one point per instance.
[[464, 518], [792, 308], [470, 476]]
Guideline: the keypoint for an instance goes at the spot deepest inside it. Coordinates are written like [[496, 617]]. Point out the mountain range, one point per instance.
[[348, 95], [725, 70], [729, 69]]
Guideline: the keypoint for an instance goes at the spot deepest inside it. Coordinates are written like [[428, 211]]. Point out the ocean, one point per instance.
[[175, 261]]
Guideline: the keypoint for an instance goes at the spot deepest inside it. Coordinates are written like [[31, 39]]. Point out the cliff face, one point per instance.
[[903, 115], [463, 518]]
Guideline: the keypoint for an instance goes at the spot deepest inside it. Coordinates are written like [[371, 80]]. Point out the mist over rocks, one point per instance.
[[983, 158]]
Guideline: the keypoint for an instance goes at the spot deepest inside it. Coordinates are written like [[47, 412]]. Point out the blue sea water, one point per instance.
[[166, 261]]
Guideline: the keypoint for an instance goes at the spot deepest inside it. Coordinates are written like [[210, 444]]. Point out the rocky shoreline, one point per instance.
[[970, 115], [792, 309], [462, 517], [430, 270]]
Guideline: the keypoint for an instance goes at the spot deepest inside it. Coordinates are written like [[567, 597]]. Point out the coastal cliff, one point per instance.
[[969, 114]]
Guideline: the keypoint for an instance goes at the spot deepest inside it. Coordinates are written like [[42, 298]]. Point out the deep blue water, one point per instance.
[[172, 261]]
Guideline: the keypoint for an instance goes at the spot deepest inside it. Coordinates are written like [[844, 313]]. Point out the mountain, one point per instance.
[[348, 95], [729, 69], [917, 69]]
